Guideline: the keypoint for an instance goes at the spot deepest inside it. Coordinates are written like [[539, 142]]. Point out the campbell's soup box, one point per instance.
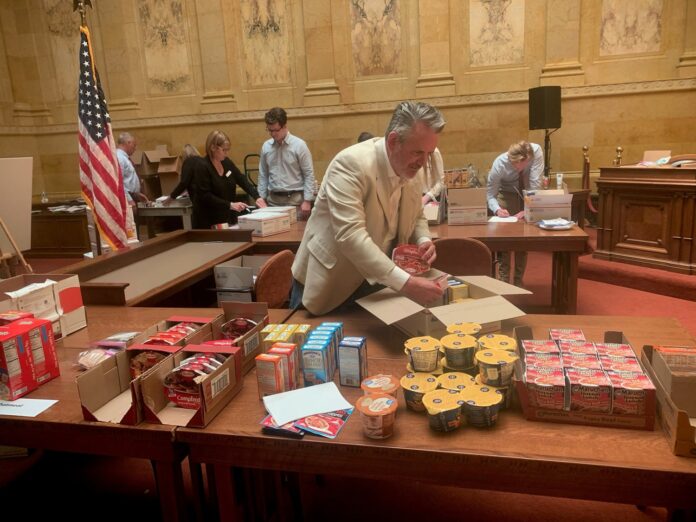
[[530, 346], [577, 348], [546, 387], [566, 334], [620, 364], [622, 350], [545, 360], [589, 390], [584, 361], [632, 392]]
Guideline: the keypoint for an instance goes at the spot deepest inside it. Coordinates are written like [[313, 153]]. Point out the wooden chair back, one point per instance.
[[463, 256], [274, 280]]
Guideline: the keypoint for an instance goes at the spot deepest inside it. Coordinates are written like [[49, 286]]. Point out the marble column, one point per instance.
[[687, 61], [435, 78], [321, 86], [562, 65]]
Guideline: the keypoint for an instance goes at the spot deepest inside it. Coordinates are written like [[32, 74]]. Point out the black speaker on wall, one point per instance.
[[545, 107]]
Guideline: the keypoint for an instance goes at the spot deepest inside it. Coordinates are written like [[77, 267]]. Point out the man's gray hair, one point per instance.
[[408, 113], [124, 137]]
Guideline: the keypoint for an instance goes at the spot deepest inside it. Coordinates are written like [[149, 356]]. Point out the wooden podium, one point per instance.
[[647, 217]]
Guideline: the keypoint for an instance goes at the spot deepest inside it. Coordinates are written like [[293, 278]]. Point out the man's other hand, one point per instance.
[[421, 290], [427, 252], [305, 209]]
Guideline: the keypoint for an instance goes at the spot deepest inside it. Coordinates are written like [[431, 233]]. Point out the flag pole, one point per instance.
[[81, 7]]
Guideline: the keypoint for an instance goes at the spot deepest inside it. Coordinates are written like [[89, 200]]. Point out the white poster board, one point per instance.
[[15, 201]]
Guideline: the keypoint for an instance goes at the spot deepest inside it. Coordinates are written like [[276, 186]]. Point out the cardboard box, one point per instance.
[[216, 390], [60, 303], [434, 213], [678, 427], [107, 391], [547, 204], [587, 418], [466, 206], [250, 342], [486, 306], [17, 374], [240, 296], [238, 273], [169, 173], [291, 211], [265, 223], [677, 374], [146, 162]]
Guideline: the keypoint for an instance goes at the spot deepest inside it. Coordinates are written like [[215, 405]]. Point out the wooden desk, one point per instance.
[[647, 217], [606, 464], [58, 234], [566, 246], [159, 271], [177, 208]]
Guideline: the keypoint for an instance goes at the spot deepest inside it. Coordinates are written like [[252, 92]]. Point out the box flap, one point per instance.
[[389, 306], [116, 409], [494, 285], [484, 310]]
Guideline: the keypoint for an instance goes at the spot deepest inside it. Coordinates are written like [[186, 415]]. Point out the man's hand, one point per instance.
[[502, 212], [427, 252], [261, 203], [520, 214], [238, 206], [425, 199], [422, 290], [142, 198], [305, 209]]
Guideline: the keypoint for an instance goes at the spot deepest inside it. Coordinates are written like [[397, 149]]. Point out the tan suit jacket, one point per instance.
[[341, 246]]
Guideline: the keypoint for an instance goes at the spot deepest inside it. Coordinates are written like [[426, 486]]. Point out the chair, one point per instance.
[[251, 166], [463, 256], [274, 280]]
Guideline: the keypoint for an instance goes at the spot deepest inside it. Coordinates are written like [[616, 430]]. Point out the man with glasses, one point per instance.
[[286, 172]]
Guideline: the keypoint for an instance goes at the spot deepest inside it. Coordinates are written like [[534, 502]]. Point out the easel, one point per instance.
[[5, 270]]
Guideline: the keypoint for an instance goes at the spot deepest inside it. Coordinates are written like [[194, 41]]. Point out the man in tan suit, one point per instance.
[[367, 205]]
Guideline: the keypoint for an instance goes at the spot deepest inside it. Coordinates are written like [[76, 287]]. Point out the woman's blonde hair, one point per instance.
[[216, 138], [520, 151], [189, 151]]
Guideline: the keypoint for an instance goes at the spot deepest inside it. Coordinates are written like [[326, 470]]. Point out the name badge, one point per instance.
[[228, 173]]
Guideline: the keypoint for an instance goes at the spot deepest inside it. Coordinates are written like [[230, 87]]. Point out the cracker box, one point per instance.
[[271, 373], [17, 375], [39, 337], [316, 363], [289, 368], [212, 393], [352, 361]]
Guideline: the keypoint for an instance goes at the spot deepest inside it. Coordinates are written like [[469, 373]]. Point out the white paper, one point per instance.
[[25, 407], [295, 404], [498, 219]]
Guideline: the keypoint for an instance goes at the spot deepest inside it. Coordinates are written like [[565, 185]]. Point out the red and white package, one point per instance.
[[408, 257]]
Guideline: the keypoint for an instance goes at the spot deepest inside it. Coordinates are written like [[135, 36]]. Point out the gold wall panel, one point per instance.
[[375, 37], [496, 29], [630, 27]]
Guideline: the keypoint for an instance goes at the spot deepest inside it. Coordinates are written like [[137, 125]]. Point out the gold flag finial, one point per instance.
[[81, 6]]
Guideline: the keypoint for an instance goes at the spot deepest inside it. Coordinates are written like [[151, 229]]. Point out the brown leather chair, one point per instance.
[[463, 256], [274, 280]]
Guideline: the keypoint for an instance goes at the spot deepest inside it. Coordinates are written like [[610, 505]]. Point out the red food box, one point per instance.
[[546, 387], [11, 316], [577, 347], [409, 258], [583, 361], [539, 346], [620, 364], [622, 349], [633, 393], [589, 390], [17, 377], [546, 360], [569, 334]]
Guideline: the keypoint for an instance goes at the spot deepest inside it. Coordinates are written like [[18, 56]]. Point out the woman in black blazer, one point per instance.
[[215, 185], [190, 158]]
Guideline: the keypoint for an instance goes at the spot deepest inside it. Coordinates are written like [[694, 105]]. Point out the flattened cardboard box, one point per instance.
[[679, 429], [250, 342], [107, 391], [486, 306], [60, 303], [585, 418], [216, 390]]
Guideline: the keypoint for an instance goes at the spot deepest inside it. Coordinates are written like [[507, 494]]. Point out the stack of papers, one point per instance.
[[558, 223]]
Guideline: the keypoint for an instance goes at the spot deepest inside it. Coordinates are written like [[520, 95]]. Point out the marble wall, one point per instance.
[[173, 70]]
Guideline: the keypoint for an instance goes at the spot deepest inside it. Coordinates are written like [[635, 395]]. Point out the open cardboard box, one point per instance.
[[250, 342], [169, 172], [675, 421], [60, 303], [486, 306], [107, 391], [547, 204], [216, 390], [586, 418], [238, 273]]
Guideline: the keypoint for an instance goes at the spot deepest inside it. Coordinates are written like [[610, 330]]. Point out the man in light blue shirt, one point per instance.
[[520, 168], [286, 172], [131, 182]]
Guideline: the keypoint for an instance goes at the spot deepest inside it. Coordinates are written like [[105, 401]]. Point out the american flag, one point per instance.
[[100, 174]]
